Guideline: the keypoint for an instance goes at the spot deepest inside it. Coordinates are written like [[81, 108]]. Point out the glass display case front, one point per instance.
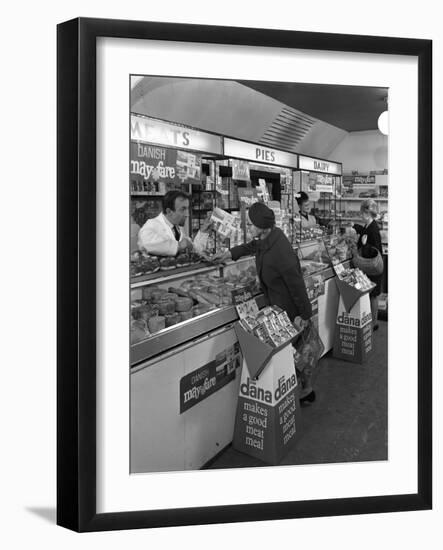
[[164, 302], [317, 255], [176, 299]]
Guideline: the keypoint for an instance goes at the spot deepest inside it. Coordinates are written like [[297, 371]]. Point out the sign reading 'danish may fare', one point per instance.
[[318, 165], [208, 379], [161, 164], [257, 153], [159, 132]]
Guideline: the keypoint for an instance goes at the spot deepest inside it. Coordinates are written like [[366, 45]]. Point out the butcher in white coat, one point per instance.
[[164, 235]]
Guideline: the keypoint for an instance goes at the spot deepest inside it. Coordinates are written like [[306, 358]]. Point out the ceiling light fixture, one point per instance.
[[383, 120]]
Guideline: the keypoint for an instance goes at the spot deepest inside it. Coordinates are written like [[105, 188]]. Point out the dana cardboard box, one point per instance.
[[353, 331], [268, 419]]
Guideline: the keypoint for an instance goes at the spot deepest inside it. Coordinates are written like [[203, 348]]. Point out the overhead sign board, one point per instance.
[[257, 153], [158, 132], [318, 165]]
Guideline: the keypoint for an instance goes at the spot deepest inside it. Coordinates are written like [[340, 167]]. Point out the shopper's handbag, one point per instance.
[[369, 260]]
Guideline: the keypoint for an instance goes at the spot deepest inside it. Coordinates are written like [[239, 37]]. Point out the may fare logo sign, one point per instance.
[[268, 410], [203, 382]]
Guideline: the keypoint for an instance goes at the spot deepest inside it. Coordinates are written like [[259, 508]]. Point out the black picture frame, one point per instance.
[[76, 273]]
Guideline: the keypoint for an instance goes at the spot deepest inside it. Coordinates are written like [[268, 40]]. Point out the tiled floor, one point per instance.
[[348, 421]]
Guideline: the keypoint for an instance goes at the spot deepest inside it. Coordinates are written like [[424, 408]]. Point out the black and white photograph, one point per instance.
[[229, 349], [259, 241], [221, 294]]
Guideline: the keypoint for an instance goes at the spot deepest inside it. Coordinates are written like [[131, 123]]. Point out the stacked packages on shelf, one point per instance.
[[306, 233], [271, 325]]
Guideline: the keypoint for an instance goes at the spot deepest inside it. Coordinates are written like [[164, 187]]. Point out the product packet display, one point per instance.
[[244, 325], [289, 327], [248, 309], [273, 336], [271, 325], [250, 323], [273, 322], [356, 278], [276, 334], [224, 223], [262, 335]]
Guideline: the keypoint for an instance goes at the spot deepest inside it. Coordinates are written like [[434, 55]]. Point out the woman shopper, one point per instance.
[[369, 234], [278, 269]]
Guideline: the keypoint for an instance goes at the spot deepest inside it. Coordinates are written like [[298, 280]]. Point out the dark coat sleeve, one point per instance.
[[291, 273], [247, 249], [374, 237], [359, 228]]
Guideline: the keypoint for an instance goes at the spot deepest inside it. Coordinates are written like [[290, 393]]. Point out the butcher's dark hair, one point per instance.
[[169, 199]]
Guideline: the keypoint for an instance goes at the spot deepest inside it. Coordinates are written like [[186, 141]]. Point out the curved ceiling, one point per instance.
[[303, 118], [352, 108]]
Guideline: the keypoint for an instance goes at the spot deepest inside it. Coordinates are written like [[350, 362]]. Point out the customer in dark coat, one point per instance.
[[278, 266], [369, 234], [278, 270]]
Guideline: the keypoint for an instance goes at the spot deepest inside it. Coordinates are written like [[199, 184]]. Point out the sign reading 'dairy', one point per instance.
[[158, 132], [353, 331], [317, 165], [268, 411], [258, 153]]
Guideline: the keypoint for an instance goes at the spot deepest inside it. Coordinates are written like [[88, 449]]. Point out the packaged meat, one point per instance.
[[178, 291], [166, 307], [138, 331], [186, 315], [156, 323], [183, 304], [147, 292], [172, 319], [186, 285], [157, 295], [208, 297], [167, 264]]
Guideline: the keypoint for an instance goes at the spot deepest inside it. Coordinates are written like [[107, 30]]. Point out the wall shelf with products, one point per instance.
[[377, 199], [146, 194]]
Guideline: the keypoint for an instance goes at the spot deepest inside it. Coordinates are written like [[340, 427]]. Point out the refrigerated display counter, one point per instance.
[[185, 377]]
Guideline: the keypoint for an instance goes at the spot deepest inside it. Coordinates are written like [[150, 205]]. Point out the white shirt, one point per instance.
[[157, 237], [310, 222]]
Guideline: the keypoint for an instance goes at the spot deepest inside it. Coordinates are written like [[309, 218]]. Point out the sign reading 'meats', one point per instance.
[[150, 130]]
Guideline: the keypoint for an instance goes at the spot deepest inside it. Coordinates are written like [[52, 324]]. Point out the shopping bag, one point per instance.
[[308, 349], [369, 260]]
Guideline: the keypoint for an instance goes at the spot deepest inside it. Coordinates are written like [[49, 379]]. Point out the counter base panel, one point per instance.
[[327, 313], [162, 439]]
